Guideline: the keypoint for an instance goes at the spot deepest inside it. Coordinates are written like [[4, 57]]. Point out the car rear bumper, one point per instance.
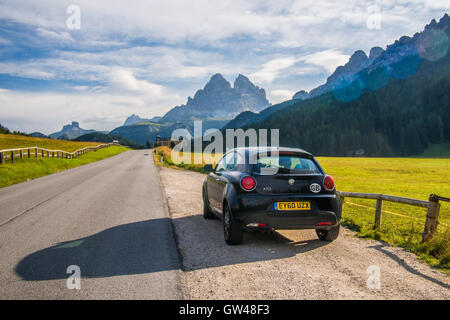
[[325, 208], [290, 220]]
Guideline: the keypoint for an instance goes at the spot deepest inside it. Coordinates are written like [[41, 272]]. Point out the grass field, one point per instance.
[[27, 169], [402, 225], [10, 141]]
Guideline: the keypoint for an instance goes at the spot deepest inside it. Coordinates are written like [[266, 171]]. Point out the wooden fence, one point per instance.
[[431, 221], [36, 152]]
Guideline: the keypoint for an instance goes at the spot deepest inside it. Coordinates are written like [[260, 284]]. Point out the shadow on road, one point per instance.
[[134, 248], [402, 262], [205, 237], [148, 246]]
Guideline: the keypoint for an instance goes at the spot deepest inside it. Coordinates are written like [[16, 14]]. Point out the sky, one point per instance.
[[97, 62]]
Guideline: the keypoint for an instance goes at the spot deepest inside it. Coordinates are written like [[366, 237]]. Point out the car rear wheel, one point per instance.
[[231, 228], [207, 214], [328, 235]]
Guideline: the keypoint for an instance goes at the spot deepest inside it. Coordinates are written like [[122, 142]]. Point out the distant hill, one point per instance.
[[218, 100], [70, 132], [108, 138], [135, 119], [143, 132], [3, 129], [38, 135]]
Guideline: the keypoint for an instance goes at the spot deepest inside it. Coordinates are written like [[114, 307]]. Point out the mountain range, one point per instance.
[[430, 44], [393, 103], [353, 86]]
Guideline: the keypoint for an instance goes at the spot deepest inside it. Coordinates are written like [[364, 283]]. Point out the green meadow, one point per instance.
[[27, 169]]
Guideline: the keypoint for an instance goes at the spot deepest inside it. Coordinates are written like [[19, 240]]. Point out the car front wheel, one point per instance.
[[231, 228], [328, 235]]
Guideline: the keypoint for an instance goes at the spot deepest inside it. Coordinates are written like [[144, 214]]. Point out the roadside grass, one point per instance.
[[27, 169], [402, 225], [165, 153], [12, 141]]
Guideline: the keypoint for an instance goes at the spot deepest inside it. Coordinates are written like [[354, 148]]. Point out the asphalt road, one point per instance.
[[108, 218]]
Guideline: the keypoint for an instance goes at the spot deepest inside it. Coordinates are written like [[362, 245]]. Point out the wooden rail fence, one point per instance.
[[35, 152], [431, 221]]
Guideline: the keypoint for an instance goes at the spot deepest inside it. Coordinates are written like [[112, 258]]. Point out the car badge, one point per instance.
[[315, 187], [291, 182]]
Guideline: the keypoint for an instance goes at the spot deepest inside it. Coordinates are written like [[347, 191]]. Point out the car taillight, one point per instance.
[[248, 183], [328, 183]]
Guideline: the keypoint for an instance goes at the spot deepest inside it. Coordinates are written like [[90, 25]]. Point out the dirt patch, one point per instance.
[[287, 264]]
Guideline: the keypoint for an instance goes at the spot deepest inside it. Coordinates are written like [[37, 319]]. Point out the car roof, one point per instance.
[[254, 150]]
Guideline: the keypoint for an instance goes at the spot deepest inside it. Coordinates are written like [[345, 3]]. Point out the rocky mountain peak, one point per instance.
[[301, 95], [375, 52], [219, 100], [357, 59], [243, 85], [217, 82], [70, 131]]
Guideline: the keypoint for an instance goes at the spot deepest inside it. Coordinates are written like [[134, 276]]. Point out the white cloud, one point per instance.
[[271, 69], [280, 95], [327, 59], [60, 36]]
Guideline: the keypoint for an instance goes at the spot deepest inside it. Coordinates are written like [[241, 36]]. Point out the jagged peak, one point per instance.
[[358, 56], [217, 81], [375, 52]]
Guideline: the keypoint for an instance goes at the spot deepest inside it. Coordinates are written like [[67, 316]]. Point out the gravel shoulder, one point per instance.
[[286, 264]]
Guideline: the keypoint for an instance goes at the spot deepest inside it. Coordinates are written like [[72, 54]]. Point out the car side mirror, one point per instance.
[[208, 167]]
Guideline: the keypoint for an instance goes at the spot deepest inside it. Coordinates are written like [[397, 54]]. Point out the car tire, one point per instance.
[[207, 214], [231, 228], [328, 235]]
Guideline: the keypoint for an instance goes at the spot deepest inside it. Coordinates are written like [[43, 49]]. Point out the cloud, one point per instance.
[[327, 59], [60, 36], [124, 80], [272, 69], [47, 112], [280, 95]]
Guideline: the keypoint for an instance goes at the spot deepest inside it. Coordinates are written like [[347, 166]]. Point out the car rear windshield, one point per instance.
[[286, 164]]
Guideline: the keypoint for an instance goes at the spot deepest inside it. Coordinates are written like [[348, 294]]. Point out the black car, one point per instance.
[[271, 188]]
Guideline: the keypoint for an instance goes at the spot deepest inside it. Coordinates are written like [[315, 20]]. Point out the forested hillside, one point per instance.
[[401, 118]]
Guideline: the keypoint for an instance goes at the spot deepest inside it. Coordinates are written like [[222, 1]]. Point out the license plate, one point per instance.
[[289, 206]]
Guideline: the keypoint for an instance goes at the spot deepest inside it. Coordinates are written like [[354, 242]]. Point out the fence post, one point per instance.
[[35, 150], [378, 209], [431, 221], [12, 156], [21, 154], [2, 158]]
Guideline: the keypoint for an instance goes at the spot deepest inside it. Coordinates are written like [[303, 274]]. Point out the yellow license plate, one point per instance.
[[297, 205]]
